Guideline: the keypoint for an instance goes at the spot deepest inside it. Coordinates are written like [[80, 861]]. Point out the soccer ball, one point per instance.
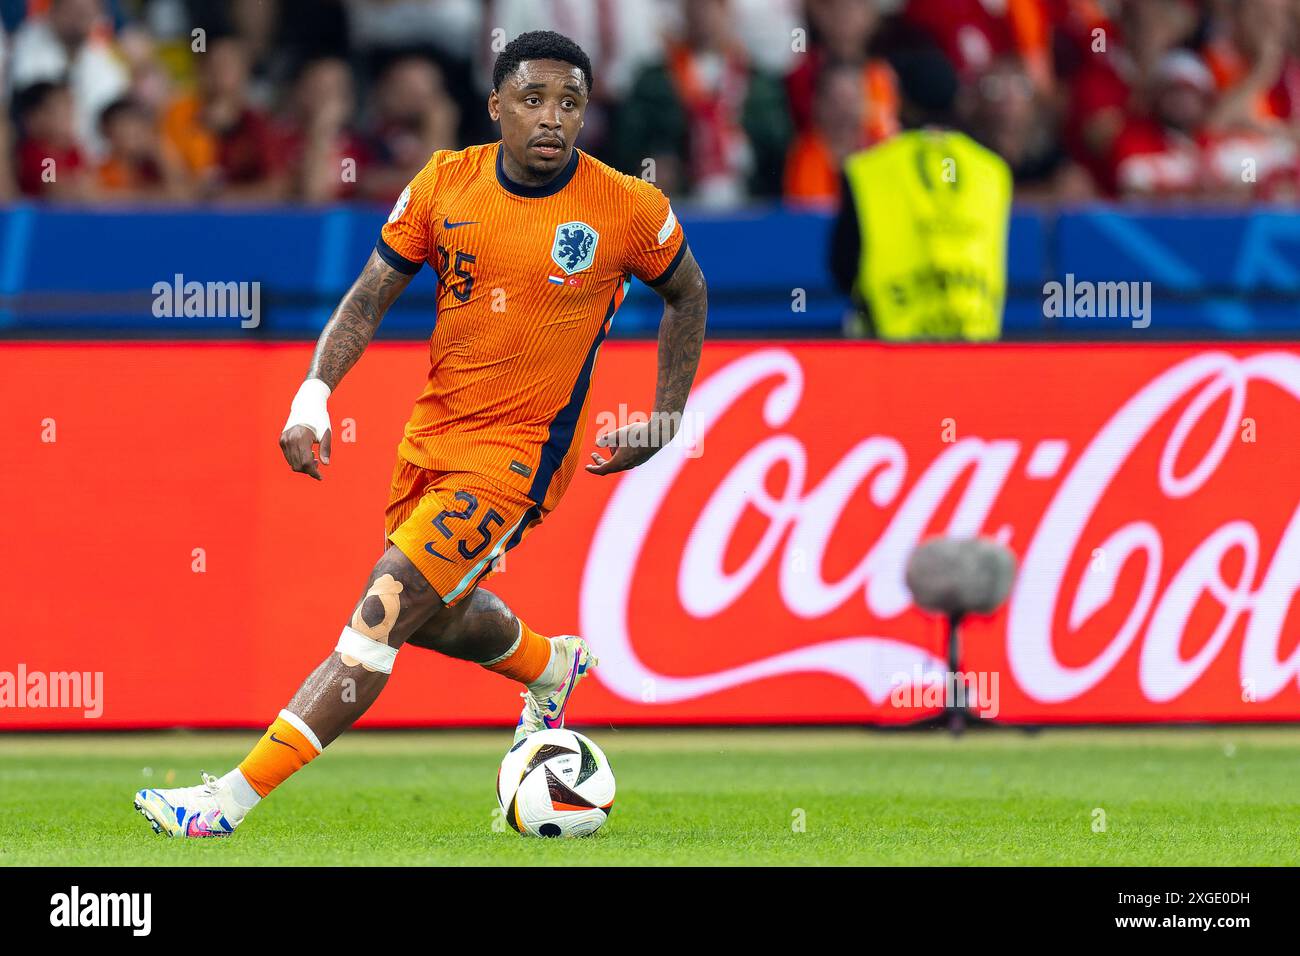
[[555, 783]]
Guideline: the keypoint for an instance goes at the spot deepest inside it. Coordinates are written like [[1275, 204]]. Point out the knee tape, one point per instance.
[[355, 648]]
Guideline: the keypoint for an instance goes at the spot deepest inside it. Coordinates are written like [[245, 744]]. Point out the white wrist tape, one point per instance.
[[372, 655], [309, 409]]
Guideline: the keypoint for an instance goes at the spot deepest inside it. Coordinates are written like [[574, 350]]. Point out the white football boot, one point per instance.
[[544, 709], [206, 810]]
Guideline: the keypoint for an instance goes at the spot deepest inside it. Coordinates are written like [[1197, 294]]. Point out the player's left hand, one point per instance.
[[632, 444]]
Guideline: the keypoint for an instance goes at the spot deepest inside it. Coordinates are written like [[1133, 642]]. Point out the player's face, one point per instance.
[[540, 110]]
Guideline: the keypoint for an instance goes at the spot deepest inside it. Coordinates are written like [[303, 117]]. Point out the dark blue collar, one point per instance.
[[535, 192]]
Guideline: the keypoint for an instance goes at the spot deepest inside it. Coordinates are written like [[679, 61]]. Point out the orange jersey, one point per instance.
[[529, 279]]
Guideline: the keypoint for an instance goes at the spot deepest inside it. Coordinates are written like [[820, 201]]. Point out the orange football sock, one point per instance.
[[282, 752], [526, 660]]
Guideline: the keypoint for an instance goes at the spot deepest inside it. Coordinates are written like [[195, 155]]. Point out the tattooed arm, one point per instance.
[[340, 345], [681, 337], [355, 321]]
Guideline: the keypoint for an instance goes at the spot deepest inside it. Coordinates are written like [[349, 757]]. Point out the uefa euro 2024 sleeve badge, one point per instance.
[[399, 207], [574, 248]]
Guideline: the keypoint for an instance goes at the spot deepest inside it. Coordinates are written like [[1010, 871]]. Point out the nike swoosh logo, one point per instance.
[[558, 719], [282, 743], [448, 224]]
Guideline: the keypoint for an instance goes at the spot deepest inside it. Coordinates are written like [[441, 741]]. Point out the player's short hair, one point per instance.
[[540, 45]]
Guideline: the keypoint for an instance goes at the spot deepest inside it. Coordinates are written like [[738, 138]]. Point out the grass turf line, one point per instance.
[[1215, 796]]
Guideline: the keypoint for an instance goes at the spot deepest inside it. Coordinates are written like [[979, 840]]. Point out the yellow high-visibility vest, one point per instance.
[[933, 209]]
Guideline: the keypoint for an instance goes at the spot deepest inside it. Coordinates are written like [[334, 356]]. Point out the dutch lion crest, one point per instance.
[[575, 246]]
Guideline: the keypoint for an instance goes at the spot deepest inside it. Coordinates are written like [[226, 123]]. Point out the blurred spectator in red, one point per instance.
[[841, 32], [221, 143], [1252, 167], [1255, 70], [1174, 153], [712, 124], [1162, 155], [1109, 86], [1077, 26], [1255, 122], [49, 164], [133, 169], [326, 159], [814, 167], [71, 45], [973, 33], [413, 117], [1002, 110]]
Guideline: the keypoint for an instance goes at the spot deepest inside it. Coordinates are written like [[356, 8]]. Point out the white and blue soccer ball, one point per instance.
[[555, 783]]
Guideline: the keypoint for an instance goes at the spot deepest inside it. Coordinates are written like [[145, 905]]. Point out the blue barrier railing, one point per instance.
[[65, 271]]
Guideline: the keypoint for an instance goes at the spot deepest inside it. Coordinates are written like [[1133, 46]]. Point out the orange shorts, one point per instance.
[[454, 525]]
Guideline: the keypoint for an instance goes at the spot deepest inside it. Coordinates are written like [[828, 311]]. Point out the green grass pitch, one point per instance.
[[788, 797]]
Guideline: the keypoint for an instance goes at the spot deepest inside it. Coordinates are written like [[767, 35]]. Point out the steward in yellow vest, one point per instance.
[[921, 239]]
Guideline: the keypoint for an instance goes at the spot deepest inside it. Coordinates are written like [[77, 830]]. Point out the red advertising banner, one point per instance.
[[157, 548]]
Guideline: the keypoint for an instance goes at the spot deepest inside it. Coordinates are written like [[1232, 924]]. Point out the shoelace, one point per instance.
[[211, 784], [535, 705]]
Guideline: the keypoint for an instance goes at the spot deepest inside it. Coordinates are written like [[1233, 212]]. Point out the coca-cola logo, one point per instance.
[[1062, 589], [1160, 616]]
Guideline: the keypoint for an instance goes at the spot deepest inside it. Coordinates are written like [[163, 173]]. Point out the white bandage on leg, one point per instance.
[[372, 655]]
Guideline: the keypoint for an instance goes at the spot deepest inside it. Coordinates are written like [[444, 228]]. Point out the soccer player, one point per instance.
[[533, 242]]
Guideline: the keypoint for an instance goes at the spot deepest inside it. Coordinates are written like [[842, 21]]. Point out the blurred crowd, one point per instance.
[[720, 101]]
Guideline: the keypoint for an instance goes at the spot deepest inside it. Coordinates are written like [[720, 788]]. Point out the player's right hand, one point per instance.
[[308, 424], [298, 445]]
